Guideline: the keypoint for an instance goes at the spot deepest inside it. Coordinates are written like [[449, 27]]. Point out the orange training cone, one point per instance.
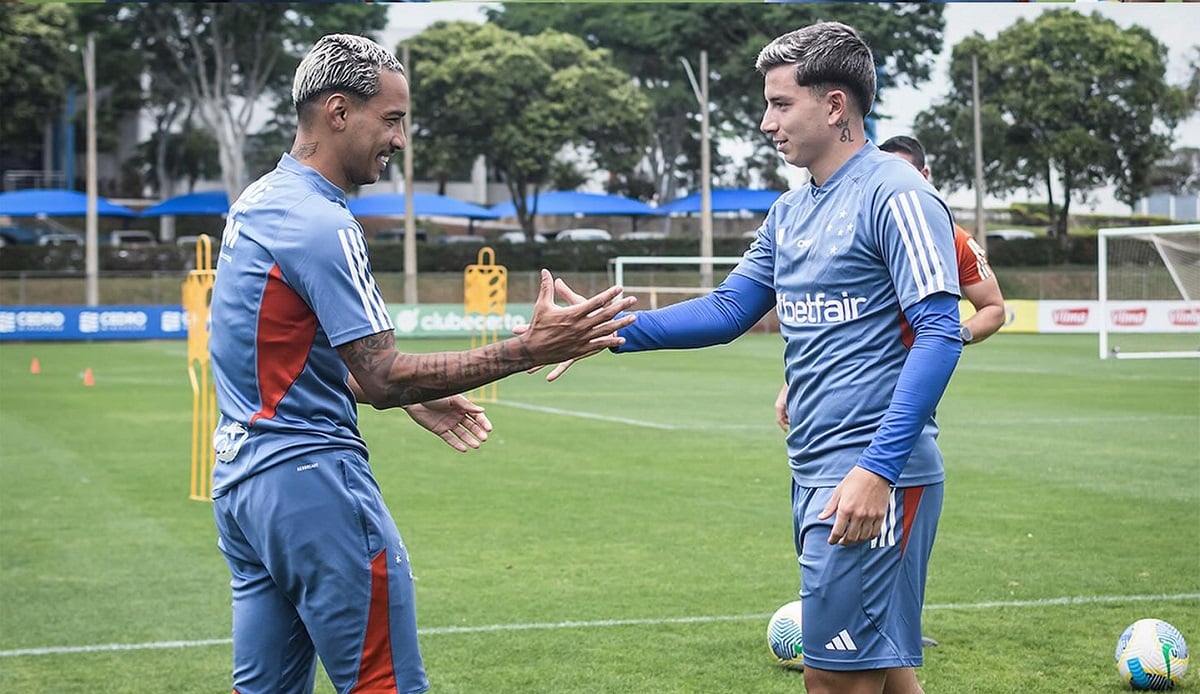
[[88, 378], [35, 366]]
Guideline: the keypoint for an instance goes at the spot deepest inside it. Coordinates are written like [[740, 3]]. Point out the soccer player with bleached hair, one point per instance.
[[300, 334], [845, 261]]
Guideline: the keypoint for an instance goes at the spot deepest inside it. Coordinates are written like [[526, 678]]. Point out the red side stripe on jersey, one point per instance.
[[286, 329], [375, 673], [912, 500]]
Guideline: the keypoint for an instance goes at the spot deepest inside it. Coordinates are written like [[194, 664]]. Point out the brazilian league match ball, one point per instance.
[[1151, 655], [783, 636]]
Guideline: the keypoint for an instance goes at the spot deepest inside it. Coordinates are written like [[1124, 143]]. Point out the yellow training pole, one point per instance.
[[485, 300], [197, 295]]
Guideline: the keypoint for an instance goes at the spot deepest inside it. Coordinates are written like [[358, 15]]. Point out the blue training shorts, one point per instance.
[[318, 569], [862, 603]]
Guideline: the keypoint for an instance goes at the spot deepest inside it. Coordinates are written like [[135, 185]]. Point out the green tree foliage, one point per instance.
[[219, 62], [647, 41], [1070, 102], [524, 102], [36, 65]]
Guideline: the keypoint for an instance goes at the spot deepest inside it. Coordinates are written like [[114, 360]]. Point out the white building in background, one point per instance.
[[1181, 208]]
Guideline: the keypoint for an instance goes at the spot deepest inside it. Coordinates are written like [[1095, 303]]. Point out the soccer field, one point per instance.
[[626, 529]]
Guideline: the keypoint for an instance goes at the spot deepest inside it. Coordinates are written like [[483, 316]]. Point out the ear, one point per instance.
[[336, 110], [838, 104]]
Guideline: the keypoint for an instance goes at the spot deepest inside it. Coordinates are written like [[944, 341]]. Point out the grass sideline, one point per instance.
[[608, 509]]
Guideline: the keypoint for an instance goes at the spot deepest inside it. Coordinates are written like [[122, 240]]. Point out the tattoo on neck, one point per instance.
[[304, 151], [845, 127]]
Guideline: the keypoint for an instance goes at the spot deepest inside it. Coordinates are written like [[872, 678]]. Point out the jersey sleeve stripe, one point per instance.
[[373, 292], [368, 293], [922, 253]]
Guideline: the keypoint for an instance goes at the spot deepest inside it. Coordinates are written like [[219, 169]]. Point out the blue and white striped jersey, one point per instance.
[[846, 258], [293, 283]]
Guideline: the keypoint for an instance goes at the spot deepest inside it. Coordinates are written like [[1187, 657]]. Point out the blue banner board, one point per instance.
[[92, 323], [170, 322]]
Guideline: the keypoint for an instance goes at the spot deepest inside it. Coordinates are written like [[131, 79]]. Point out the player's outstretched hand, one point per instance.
[[559, 334], [458, 421], [564, 292]]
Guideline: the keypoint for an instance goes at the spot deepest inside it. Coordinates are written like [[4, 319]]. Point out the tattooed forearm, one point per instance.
[[844, 126], [390, 378]]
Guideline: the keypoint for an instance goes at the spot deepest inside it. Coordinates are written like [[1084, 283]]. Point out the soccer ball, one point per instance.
[[1151, 654], [783, 636]]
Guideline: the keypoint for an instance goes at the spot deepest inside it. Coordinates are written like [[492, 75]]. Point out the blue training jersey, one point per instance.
[[293, 283], [846, 258]]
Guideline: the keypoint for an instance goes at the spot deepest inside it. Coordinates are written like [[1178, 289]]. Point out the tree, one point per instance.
[[36, 65], [647, 41], [524, 102], [1178, 172], [224, 62], [1068, 99]]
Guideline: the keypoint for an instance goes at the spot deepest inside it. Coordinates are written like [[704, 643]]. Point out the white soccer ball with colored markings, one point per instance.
[[1151, 655], [783, 636]]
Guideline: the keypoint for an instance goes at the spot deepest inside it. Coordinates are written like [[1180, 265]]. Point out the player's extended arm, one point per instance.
[[716, 318], [988, 301], [923, 378], [387, 377]]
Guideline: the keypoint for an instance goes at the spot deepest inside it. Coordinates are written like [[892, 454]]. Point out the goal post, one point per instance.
[[654, 277], [1148, 281]]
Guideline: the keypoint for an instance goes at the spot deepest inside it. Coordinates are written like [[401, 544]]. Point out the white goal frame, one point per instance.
[[619, 263], [1193, 302]]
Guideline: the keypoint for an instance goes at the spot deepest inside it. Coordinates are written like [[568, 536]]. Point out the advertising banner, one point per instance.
[[92, 323], [448, 320]]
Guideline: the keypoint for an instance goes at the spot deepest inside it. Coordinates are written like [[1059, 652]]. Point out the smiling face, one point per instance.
[[373, 130], [797, 118]]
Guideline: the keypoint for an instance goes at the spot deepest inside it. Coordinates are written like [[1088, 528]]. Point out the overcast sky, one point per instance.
[[1174, 24]]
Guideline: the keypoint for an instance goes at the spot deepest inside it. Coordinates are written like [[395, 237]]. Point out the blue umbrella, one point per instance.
[[212, 202], [567, 202], [56, 203], [727, 200], [424, 205]]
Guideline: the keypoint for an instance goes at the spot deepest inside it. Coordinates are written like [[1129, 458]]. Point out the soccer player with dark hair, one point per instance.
[[845, 261], [300, 333]]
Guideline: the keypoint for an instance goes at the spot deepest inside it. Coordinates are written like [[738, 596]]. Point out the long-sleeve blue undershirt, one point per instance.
[[738, 303]]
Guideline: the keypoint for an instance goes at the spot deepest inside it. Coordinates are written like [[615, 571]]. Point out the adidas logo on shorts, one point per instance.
[[841, 642]]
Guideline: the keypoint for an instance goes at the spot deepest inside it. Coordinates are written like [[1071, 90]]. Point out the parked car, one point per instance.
[[131, 237], [518, 237], [461, 238], [396, 235], [643, 235], [15, 235], [583, 234], [61, 238], [1010, 234]]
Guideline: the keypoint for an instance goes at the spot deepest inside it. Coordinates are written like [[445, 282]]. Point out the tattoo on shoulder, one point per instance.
[[844, 125]]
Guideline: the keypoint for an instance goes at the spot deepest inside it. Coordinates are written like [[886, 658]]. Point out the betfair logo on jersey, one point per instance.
[[818, 308]]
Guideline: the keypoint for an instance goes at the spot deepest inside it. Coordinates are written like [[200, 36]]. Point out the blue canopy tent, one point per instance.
[[424, 205], [726, 200], [212, 202], [56, 203], [574, 203]]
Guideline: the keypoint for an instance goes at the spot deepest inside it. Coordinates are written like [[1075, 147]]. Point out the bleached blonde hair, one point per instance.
[[341, 62]]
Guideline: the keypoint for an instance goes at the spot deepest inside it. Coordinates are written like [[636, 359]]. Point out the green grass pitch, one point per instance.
[[626, 529]]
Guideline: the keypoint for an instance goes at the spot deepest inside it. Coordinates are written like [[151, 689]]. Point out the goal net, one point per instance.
[[1149, 291]]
